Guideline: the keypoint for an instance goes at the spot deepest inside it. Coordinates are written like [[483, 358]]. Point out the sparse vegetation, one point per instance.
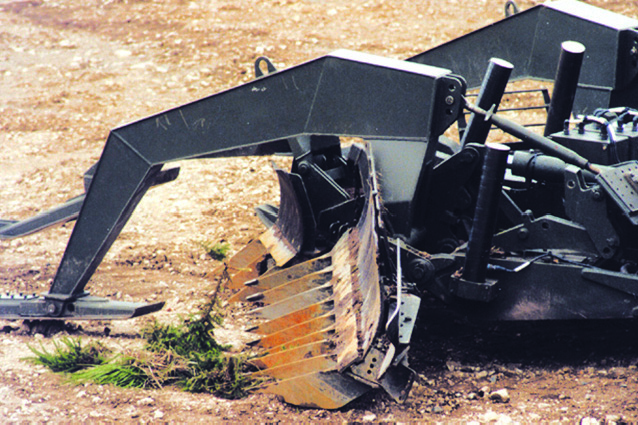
[[186, 355], [216, 250], [70, 356]]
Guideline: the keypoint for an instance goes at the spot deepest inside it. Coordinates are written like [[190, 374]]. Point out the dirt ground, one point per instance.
[[71, 70]]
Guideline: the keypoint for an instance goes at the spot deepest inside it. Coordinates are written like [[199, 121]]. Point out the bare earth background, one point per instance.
[[71, 70]]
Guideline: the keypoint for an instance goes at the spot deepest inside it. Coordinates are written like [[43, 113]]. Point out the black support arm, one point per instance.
[[342, 94]]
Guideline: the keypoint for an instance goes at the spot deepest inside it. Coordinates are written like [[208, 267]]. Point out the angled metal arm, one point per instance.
[[345, 93], [67, 211], [527, 40]]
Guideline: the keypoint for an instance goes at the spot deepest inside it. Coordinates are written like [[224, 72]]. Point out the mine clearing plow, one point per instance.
[[543, 228]]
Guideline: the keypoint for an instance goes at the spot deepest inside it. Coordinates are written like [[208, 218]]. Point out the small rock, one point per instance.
[[484, 390], [147, 401], [489, 416], [471, 396], [504, 420], [588, 420], [452, 366], [437, 409], [158, 414], [80, 394], [500, 396], [482, 374], [67, 44], [123, 53], [369, 417], [614, 419]]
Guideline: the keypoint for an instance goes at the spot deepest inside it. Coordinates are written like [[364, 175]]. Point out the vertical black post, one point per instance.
[[565, 85], [484, 222], [492, 89]]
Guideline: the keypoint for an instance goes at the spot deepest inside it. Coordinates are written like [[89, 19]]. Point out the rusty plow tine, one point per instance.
[[294, 318], [324, 363], [295, 332], [317, 319], [281, 277], [325, 390], [294, 303], [249, 254], [323, 335], [292, 288], [242, 266], [313, 349]]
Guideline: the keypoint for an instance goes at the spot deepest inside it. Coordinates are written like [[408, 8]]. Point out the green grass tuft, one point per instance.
[[216, 250], [70, 356], [186, 355], [119, 373], [221, 375]]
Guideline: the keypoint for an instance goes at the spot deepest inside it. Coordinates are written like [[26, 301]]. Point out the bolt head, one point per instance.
[[596, 194]]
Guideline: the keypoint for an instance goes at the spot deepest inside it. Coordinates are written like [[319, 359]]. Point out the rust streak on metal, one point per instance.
[[297, 331], [294, 318]]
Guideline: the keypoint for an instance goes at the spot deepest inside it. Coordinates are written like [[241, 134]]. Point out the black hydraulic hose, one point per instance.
[[536, 140]]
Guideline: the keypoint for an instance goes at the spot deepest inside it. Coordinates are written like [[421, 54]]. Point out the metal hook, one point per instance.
[[269, 66], [511, 8]]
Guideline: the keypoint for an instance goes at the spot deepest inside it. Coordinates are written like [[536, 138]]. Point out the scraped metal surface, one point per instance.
[[284, 239], [242, 267], [317, 318]]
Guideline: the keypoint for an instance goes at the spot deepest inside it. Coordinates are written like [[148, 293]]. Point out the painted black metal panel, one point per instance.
[[341, 94], [531, 41]]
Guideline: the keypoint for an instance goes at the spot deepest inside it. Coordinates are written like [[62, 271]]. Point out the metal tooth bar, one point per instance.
[[292, 288], [301, 367], [294, 318], [359, 315], [305, 340], [248, 255], [291, 304], [294, 332], [312, 335], [238, 279], [326, 390], [296, 354], [242, 265], [280, 277]]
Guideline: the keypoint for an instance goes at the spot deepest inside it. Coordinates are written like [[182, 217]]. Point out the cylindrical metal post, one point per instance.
[[492, 89], [565, 85], [484, 222]]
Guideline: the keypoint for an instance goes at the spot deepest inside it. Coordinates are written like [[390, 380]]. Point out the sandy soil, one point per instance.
[[71, 70]]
